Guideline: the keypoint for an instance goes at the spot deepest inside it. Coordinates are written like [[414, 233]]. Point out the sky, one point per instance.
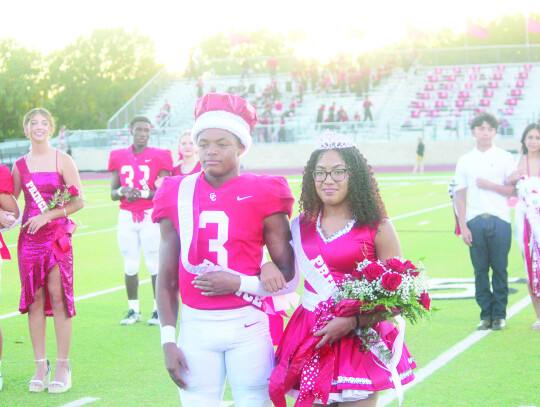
[[176, 26]]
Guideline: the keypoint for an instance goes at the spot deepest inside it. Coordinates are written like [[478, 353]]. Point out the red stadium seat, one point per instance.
[[497, 76], [527, 67], [449, 86], [420, 105], [509, 111], [415, 114], [443, 95], [485, 102], [434, 113], [433, 78], [488, 93], [520, 84], [501, 68], [438, 70], [425, 95], [469, 85], [512, 101], [463, 94], [460, 103], [476, 68], [439, 104], [493, 84], [451, 78], [429, 86], [515, 92], [473, 77], [523, 75], [457, 69]]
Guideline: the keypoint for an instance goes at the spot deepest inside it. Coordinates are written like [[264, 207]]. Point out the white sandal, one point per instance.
[[59, 387], [37, 386], [536, 325]]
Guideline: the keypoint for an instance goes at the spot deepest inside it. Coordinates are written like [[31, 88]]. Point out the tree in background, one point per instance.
[[20, 72], [90, 79]]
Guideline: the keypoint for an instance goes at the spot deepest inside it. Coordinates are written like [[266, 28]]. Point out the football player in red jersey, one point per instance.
[[135, 171], [213, 221]]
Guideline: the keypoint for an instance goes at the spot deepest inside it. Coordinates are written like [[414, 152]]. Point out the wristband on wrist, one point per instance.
[[145, 193], [357, 321], [168, 334], [249, 284], [120, 192]]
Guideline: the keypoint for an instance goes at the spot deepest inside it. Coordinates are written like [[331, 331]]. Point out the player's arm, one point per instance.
[[159, 180], [168, 300], [117, 190], [279, 271], [10, 214]]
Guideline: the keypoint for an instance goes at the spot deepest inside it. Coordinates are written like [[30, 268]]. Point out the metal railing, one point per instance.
[[140, 100]]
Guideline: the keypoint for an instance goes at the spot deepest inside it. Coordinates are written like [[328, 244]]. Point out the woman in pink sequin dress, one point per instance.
[[343, 221], [44, 249]]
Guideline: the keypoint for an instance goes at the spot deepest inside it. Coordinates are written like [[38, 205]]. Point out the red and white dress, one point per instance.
[[354, 371]]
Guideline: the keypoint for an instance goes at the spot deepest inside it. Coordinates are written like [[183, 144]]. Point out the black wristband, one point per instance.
[[357, 321]]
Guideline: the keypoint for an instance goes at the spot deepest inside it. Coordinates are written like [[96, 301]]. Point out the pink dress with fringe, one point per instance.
[[353, 369], [34, 251]]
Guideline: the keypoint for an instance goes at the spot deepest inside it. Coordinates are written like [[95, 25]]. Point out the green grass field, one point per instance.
[[122, 366]]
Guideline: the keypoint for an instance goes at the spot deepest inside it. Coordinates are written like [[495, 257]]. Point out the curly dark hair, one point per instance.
[[365, 201]]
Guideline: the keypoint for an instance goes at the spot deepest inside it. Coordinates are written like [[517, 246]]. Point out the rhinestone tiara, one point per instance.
[[332, 139]]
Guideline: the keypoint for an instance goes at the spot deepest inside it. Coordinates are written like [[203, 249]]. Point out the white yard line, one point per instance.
[[80, 402], [82, 297], [422, 211], [450, 354], [79, 234]]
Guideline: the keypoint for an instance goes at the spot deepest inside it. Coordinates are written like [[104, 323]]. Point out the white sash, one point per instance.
[[319, 277]]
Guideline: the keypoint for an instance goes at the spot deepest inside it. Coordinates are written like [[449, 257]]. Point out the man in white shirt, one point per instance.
[[484, 218]]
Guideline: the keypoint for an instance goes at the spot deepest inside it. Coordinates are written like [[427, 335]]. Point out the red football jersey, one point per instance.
[[230, 227], [6, 181], [149, 163]]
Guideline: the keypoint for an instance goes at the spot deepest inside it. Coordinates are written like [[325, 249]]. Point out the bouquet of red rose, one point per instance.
[[62, 196], [395, 286]]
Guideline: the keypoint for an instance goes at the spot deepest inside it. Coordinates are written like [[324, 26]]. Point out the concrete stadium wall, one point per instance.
[[283, 155]]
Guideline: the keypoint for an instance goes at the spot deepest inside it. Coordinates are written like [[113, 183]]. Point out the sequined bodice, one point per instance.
[[47, 183]]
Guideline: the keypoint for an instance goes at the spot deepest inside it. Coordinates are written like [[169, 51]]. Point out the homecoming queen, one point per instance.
[[343, 221], [44, 250]]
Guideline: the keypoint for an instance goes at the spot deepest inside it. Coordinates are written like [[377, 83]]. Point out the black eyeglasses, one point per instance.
[[336, 175]]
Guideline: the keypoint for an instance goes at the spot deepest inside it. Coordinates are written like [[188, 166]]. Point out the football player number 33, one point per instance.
[[216, 245], [130, 174]]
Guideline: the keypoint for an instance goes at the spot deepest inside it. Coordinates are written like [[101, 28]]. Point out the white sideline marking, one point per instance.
[[425, 222], [450, 354], [80, 402], [422, 211], [227, 404], [82, 297], [80, 234]]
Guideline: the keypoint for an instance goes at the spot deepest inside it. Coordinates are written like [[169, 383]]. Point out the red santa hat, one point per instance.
[[226, 112]]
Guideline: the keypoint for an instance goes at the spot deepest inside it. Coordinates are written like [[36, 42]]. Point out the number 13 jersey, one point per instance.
[[230, 230]]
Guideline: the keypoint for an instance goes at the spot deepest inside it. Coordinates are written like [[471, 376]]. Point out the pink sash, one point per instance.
[[138, 216], [61, 233]]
